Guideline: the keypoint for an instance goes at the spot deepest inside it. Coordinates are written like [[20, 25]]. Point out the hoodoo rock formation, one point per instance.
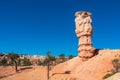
[[84, 33], [105, 64], [87, 65]]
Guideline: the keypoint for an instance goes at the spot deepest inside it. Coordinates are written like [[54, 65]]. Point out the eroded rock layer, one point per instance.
[[84, 32]]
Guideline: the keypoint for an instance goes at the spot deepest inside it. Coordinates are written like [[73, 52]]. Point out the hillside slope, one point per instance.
[[93, 69], [75, 69]]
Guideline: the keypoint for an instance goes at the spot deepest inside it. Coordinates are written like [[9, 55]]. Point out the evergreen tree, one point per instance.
[[62, 56], [14, 57], [70, 56]]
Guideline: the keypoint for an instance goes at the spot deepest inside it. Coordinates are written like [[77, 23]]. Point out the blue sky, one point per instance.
[[38, 26]]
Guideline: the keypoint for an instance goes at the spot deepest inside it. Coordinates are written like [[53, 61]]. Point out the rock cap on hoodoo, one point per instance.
[[85, 13]]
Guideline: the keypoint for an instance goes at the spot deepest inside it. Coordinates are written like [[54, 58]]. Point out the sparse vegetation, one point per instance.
[[39, 62], [26, 62], [15, 58], [116, 64], [11, 63], [62, 57], [48, 64], [70, 56], [12, 59], [109, 74], [4, 62]]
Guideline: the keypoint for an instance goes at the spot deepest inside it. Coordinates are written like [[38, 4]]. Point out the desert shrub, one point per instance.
[[26, 62], [62, 57], [116, 64], [109, 74], [39, 62], [48, 60], [0, 63], [115, 60], [70, 56], [3, 62], [45, 62], [11, 63]]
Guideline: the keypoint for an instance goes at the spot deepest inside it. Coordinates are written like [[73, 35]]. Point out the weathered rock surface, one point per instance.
[[93, 69], [98, 62], [84, 33]]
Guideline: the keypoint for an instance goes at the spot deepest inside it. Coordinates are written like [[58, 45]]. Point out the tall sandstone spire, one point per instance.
[[84, 32]]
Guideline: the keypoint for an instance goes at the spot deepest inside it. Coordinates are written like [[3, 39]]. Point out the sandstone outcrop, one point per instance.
[[84, 32], [94, 68]]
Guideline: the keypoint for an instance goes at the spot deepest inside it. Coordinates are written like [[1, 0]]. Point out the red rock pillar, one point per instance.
[[84, 33]]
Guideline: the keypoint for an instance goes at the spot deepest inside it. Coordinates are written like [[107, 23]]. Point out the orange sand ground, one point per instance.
[[30, 73], [93, 69], [74, 69]]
